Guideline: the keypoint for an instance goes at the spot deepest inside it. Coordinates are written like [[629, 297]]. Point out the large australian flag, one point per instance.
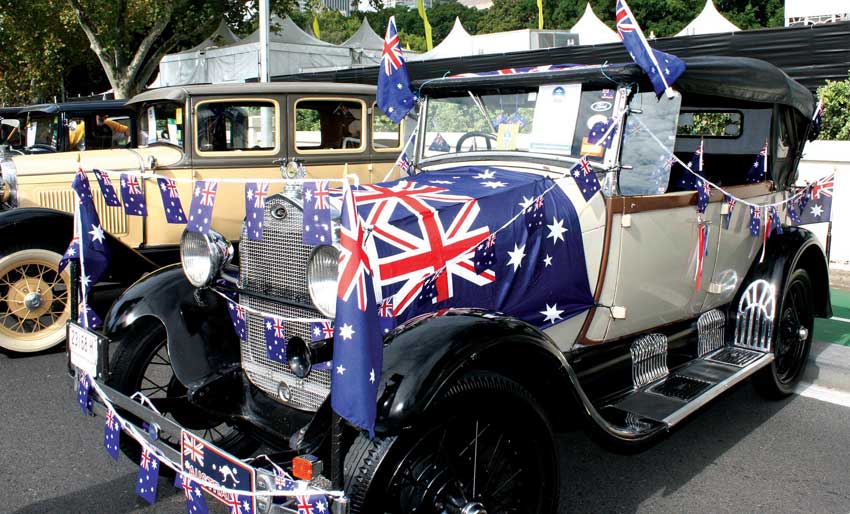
[[662, 68], [89, 242], [358, 342], [394, 95]]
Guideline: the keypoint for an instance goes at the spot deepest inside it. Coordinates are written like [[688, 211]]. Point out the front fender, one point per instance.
[[425, 356], [201, 339], [53, 230], [795, 248]]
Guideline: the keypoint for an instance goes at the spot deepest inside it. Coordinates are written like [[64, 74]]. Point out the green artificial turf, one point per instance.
[[834, 330]]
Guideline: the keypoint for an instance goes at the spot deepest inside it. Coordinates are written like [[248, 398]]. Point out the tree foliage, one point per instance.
[[836, 114]]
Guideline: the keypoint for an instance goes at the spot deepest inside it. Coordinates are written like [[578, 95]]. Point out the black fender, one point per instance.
[[795, 248], [426, 355], [53, 230], [201, 341]]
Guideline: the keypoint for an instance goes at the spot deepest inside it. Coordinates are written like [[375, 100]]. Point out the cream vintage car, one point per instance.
[[197, 132], [526, 298]]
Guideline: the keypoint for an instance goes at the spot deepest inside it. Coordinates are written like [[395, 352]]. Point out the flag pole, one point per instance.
[[264, 40]]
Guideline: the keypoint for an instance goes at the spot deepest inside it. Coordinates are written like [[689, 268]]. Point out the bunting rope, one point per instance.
[[131, 430]]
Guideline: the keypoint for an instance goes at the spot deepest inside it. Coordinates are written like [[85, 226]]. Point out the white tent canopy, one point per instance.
[[458, 43], [291, 51], [593, 31], [709, 21]]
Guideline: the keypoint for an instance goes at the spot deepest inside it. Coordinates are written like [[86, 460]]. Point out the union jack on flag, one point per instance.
[[193, 448], [394, 95]]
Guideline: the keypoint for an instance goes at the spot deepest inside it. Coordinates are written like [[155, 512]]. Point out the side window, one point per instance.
[[109, 131], [650, 164], [331, 124], [386, 135], [710, 124], [236, 126]]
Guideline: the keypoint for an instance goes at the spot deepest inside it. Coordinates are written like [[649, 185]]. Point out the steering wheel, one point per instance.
[[486, 135]]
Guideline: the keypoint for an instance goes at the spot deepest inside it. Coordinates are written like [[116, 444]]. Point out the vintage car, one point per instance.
[[582, 309], [241, 130]]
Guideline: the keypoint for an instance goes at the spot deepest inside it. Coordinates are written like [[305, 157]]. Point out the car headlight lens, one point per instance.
[[8, 185], [203, 256], [321, 278]]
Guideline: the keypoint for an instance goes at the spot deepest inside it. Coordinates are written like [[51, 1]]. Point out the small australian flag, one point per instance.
[[534, 214], [83, 394], [134, 197], [703, 195], [201, 210], [171, 201], [255, 206], [776, 223], [321, 330], [112, 434], [758, 170], [275, 339], [195, 501], [730, 202], [386, 315], [585, 178], [792, 213], [755, 221], [107, 189], [485, 255], [317, 214], [394, 95], [439, 144], [237, 316], [603, 133], [148, 476]]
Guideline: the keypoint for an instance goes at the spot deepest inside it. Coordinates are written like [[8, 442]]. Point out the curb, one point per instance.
[[828, 366]]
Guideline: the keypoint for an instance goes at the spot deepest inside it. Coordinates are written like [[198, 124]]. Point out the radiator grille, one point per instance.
[[112, 219], [277, 266]]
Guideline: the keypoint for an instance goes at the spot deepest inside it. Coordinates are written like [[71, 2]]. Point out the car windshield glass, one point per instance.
[[42, 129], [161, 122], [549, 119]]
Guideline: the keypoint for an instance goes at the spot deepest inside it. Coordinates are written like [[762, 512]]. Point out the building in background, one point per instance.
[[478, 4], [407, 3], [809, 12], [343, 6]]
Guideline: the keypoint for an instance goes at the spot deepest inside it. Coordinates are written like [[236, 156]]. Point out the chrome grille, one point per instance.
[[649, 359], [710, 330], [756, 312], [277, 267]]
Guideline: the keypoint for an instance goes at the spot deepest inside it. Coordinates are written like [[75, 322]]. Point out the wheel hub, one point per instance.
[[473, 508], [803, 333], [29, 298]]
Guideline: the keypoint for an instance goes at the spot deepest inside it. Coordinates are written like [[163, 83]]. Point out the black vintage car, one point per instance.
[[634, 332]]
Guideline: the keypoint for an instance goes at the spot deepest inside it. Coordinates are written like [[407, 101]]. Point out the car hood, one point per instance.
[[110, 160]]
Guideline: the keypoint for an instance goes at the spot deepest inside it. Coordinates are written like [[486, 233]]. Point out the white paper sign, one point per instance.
[[555, 115], [151, 125]]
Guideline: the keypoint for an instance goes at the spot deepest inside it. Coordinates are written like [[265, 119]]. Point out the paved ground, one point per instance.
[[740, 455]]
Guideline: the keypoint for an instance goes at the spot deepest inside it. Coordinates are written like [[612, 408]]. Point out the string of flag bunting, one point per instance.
[[152, 458]]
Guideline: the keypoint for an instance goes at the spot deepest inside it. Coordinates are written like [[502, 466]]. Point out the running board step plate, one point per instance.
[[676, 396]]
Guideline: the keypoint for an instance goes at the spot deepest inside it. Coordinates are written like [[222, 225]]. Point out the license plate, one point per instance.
[[83, 346]]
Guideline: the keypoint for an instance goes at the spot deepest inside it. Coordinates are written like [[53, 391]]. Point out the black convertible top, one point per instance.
[[86, 106], [740, 78]]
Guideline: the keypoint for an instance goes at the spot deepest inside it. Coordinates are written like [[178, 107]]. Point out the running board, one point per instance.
[[674, 397]]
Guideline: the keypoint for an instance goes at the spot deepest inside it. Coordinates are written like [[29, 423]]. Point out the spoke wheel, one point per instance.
[[486, 448], [142, 363], [34, 304], [793, 338]]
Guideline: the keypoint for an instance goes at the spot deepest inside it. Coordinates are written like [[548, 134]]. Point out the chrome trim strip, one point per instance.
[[711, 332], [756, 314], [649, 359]]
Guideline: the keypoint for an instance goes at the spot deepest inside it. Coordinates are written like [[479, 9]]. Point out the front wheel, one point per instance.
[[792, 341], [141, 363], [34, 298], [485, 447]]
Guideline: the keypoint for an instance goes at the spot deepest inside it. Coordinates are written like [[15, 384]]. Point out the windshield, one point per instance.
[[42, 129], [161, 122], [550, 119]]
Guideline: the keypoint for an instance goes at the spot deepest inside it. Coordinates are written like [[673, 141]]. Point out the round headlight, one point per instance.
[[203, 256], [321, 278], [8, 185]]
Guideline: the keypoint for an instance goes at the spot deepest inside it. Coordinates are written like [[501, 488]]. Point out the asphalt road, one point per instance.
[[741, 455]]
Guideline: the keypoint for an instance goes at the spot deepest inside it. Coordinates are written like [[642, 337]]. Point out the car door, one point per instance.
[[655, 257]]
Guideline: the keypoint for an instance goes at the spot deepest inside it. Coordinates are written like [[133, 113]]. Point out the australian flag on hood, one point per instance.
[[424, 251], [662, 68], [394, 95]]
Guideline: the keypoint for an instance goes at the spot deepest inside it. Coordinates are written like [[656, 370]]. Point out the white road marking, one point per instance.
[[823, 394], [836, 318]]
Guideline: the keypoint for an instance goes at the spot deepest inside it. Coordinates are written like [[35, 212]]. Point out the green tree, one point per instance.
[[836, 114]]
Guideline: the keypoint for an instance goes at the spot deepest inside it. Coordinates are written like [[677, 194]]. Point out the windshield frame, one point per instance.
[[142, 136]]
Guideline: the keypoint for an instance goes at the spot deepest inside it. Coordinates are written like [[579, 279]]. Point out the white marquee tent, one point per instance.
[[709, 21], [593, 31], [291, 50]]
